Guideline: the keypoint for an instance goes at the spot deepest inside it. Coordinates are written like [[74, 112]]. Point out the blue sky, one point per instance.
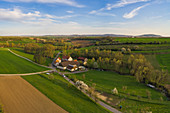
[[65, 17]]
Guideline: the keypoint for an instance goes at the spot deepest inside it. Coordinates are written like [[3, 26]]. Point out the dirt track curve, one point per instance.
[[18, 96]]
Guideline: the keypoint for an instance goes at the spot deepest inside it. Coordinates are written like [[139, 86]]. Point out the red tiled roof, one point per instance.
[[59, 58]]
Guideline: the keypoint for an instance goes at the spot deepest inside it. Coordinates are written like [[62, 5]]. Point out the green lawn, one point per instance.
[[106, 81], [64, 95], [11, 64]]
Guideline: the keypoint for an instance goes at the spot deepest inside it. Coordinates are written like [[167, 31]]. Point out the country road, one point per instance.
[[99, 102], [27, 59]]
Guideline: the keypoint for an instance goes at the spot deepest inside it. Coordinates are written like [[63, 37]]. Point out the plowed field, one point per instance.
[[18, 96]]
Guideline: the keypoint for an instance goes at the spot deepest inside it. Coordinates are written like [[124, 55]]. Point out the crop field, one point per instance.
[[18, 96], [107, 81], [64, 94], [11, 64]]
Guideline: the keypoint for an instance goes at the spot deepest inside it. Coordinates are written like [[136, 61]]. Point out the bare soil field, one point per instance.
[[18, 96]]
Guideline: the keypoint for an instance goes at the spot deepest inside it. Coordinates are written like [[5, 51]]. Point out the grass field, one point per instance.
[[21, 52], [106, 81], [164, 60], [153, 60], [11, 64], [143, 40], [64, 94], [160, 51]]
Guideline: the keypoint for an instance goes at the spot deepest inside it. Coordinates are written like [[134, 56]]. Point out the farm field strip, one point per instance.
[[18, 96], [12, 64]]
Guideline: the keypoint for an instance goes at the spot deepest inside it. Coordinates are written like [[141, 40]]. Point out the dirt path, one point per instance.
[[26, 73], [27, 59], [18, 96]]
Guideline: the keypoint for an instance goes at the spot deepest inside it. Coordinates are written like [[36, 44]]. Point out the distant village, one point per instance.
[[70, 64]]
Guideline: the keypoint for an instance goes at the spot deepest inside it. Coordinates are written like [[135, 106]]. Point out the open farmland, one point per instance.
[[64, 94], [18, 96], [11, 64], [106, 81]]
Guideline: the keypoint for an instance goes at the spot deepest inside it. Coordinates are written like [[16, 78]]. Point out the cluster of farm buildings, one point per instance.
[[68, 63]]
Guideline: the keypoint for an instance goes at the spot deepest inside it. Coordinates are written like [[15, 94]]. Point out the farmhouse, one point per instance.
[[58, 61], [72, 67], [69, 65], [67, 58]]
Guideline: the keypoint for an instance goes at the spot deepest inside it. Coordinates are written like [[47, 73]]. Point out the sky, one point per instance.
[[67, 17]]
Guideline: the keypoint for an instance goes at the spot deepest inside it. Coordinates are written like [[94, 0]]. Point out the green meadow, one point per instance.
[[11, 64], [135, 95]]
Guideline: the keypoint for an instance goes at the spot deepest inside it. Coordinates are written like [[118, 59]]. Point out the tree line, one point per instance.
[[135, 65], [40, 52]]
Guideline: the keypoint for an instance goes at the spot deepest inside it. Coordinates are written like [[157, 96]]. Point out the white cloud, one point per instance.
[[67, 2], [134, 12], [59, 17], [70, 12], [121, 23], [123, 3], [94, 12], [32, 18], [17, 15]]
